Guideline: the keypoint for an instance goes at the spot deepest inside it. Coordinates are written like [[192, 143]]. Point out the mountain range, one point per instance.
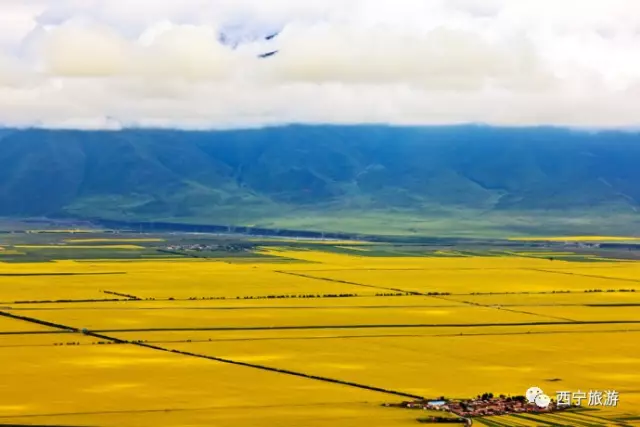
[[459, 180]]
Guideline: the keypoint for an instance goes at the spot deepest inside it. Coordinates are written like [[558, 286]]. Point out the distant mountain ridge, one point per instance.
[[258, 176]]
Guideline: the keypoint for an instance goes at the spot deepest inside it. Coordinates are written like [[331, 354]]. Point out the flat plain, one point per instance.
[[323, 336]]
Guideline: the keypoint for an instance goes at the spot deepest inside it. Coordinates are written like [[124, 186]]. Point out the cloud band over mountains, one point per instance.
[[112, 63]]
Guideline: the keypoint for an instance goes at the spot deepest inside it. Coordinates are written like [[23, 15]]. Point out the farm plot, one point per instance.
[[456, 366], [592, 313], [190, 325], [557, 299], [273, 317], [232, 303], [127, 386], [461, 281], [193, 279], [10, 326]]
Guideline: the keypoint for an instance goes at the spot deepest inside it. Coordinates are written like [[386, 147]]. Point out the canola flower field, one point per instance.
[[324, 340]]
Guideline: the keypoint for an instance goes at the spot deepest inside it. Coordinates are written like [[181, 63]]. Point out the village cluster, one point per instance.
[[534, 401], [484, 405], [200, 247]]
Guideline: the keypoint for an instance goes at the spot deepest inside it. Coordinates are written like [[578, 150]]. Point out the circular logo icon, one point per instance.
[[532, 393], [543, 401]]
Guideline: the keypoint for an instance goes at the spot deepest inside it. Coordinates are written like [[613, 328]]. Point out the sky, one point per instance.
[[109, 64]]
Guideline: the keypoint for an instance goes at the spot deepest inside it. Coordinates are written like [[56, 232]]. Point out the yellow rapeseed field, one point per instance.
[[117, 385], [456, 365], [473, 280], [12, 325], [591, 313], [629, 272], [357, 302], [336, 317], [430, 326], [156, 279], [332, 335], [42, 338], [555, 300]]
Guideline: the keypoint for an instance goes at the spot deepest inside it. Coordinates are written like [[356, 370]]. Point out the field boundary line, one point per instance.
[[270, 307], [120, 294], [372, 326], [295, 296], [39, 322], [310, 307], [331, 337]]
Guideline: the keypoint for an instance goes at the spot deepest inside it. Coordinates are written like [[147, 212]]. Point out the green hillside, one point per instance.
[[403, 180]]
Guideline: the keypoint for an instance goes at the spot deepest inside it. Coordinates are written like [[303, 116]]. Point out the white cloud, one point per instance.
[[105, 63]]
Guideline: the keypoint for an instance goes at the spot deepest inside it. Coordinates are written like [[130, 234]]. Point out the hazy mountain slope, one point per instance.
[[246, 175]]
